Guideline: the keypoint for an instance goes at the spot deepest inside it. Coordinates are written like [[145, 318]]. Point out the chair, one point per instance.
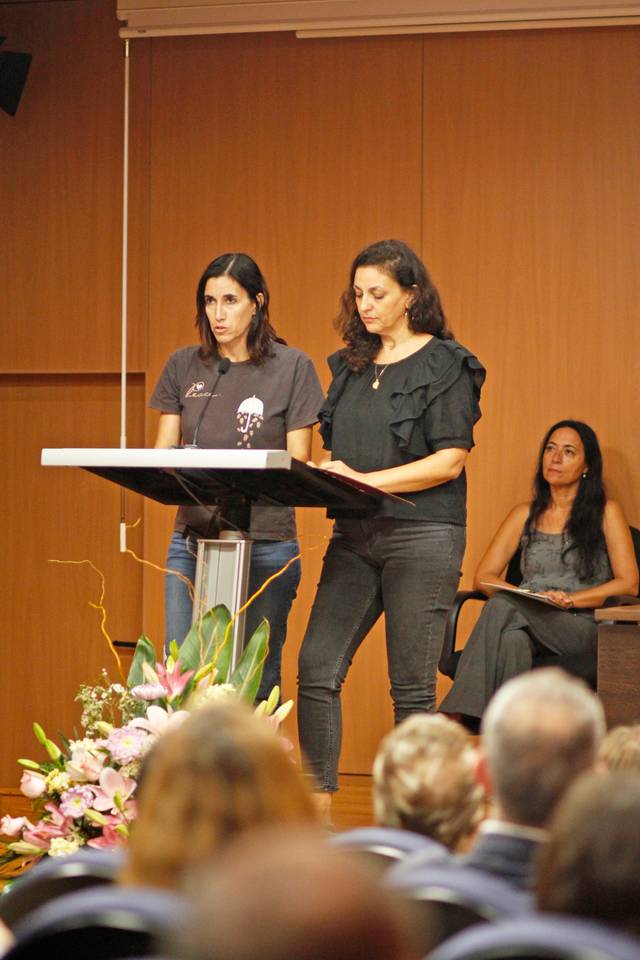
[[585, 665], [383, 846], [102, 923], [540, 937], [53, 878], [449, 897]]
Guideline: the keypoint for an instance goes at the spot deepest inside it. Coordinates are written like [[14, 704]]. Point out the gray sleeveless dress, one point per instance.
[[512, 628]]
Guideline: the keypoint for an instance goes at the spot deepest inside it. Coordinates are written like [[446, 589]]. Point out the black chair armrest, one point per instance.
[[448, 659], [622, 600]]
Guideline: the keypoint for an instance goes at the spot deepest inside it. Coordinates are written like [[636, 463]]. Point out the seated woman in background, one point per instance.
[[221, 772], [424, 780], [576, 550]]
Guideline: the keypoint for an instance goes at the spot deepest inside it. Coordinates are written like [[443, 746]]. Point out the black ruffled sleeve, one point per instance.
[[340, 371], [439, 402]]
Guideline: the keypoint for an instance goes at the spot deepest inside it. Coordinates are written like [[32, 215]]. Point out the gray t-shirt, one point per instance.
[[253, 407]]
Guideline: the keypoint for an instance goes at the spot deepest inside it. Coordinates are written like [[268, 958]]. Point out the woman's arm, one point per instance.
[[422, 474], [496, 558], [622, 558], [299, 443], [168, 434]]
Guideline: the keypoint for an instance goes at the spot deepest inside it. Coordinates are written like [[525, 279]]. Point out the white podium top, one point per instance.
[[183, 458]]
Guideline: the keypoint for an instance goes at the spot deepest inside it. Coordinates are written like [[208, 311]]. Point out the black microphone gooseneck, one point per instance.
[[223, 366]]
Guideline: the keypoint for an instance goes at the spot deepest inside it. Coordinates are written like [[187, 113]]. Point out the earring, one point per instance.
[[584, 474]]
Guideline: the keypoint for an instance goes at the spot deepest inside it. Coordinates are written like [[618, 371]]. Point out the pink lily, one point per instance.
[[85, 765], [173, 681], [45, 830], [158, 720], [13, 826], [109, 838], [114, 791]]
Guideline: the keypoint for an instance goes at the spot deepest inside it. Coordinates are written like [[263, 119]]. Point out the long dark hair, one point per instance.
[[424, 315], [244, 270], [584, 526]]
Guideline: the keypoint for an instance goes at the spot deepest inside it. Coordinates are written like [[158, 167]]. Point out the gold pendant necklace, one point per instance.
[[378, 376]]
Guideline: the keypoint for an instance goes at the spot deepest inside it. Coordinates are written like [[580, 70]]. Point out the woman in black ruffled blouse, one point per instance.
[[399, 416]]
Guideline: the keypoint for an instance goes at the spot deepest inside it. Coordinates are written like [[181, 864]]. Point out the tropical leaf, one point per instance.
[[248, 673], [144, 653], [206, 642]]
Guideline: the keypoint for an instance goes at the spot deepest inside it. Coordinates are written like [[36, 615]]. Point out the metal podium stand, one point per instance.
[[231, 480]]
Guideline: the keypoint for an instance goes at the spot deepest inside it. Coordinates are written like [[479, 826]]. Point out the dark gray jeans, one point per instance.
[[410, 570]]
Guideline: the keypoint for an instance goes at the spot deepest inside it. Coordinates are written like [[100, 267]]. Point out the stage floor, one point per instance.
[[352, 804]]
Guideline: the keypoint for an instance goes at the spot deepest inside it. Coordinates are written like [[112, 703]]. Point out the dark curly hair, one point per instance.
[[424, 315], [584, 526], [246, 272]]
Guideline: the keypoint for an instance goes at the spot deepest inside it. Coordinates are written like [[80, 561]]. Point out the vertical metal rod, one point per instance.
[[125, 267]]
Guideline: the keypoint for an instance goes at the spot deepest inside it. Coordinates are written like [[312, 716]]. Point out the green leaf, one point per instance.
[[205, 642], [144, 653], [248, 674]]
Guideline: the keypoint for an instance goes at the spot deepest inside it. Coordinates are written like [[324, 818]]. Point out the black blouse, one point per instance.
[[427, 402]]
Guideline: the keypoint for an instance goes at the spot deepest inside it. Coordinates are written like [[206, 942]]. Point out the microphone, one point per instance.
[[223, 366]]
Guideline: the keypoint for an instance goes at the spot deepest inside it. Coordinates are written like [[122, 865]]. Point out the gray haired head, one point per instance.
[[540, 731]]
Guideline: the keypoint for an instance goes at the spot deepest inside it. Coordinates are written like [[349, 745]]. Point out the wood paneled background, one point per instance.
[[508, 159]]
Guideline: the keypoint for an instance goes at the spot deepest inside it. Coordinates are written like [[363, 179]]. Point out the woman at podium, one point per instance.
[[243, 388], [399, 416]]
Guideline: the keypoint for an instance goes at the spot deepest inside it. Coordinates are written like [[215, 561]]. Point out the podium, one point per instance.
[[232, 481]]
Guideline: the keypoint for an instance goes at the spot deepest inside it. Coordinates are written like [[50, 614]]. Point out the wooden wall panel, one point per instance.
[[61, 188], [299, 153], [51, 636], [532, 227], [508, 159]]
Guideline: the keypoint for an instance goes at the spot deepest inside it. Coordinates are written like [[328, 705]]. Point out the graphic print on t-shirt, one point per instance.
[[196, 389], [250, 417]]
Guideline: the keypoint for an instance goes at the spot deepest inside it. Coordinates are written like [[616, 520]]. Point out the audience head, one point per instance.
[[424, 779], [219, 773], [424, 313], [539, 732], [620, 749], [589, 867], [287, 895]]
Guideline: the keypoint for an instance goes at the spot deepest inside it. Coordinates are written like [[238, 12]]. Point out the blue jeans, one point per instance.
[[267, 557], [408, 569]]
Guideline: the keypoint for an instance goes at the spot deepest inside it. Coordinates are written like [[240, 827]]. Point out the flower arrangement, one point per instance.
[[83, 794]]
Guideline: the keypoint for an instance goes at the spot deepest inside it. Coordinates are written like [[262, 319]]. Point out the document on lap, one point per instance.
[[524, 593]]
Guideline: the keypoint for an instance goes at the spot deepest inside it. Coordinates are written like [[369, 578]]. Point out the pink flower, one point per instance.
[[85, 765], [13, 826], [158, 720], [126, 744], [109, 837], [113, 789], [173, 681], [32, 784], [74, 802], [148, 691], [57, 825]]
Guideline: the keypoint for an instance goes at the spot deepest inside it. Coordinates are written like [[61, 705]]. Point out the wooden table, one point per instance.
[[619, 663]]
